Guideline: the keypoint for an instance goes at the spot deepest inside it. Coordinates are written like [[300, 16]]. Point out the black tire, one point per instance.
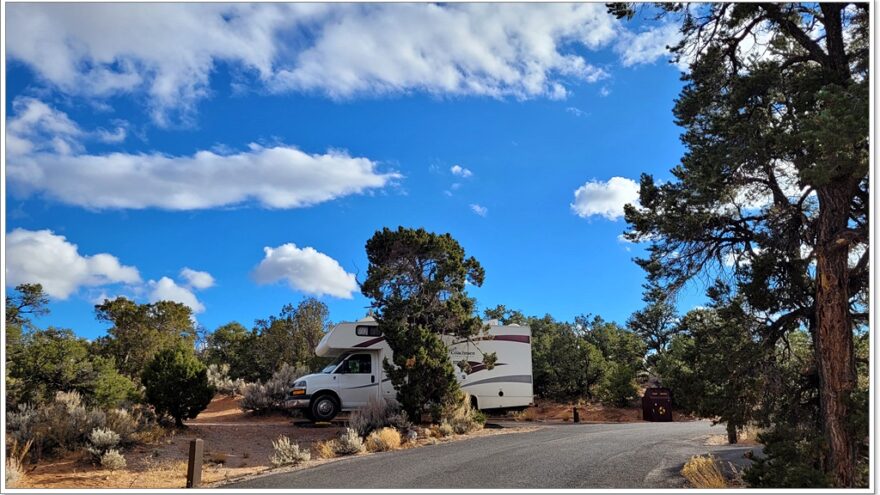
[[307, 413], [324, 407]]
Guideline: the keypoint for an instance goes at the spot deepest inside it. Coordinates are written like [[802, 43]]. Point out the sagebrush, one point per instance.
[[218, 377], [348, 443], [113, 460], [377, 414], [65, 424], [288, 453], [101, 440], [270, 396]]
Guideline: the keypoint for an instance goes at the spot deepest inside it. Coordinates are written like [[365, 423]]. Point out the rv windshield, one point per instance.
[[332, 366]]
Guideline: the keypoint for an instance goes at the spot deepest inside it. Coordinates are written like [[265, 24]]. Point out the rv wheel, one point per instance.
[[324, 408]]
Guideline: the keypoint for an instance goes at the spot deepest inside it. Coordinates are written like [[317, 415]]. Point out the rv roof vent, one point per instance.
[[493, 323]]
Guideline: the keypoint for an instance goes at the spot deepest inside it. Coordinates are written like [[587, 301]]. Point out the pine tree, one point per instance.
[[773, 187]]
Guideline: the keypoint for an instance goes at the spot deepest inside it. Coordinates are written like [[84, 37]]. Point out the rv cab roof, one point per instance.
[[367, 319]]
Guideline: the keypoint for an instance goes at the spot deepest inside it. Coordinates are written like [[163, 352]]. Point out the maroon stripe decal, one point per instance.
[[509, 338], [478, 366], [368, 343], [513, 338]]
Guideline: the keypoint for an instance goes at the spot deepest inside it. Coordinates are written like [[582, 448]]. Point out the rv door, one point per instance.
[[359, 379]]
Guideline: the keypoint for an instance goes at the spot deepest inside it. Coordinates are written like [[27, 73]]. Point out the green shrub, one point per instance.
[[619, 389], [56, 360], [792, 459], [176, 384], [109, 388]]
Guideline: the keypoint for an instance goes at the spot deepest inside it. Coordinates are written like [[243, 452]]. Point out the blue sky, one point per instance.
[[259, 133]]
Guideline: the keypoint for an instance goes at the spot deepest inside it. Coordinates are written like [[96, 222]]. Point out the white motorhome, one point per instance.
[[356, 374]]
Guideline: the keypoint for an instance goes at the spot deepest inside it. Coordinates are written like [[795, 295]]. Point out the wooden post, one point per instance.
[[577, 416], [194, 468]]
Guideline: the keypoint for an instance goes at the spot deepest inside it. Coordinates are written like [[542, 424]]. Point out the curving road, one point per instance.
[[632, 455]]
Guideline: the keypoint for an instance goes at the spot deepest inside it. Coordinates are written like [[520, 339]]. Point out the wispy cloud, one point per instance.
[[460, 171], [46, 158], [479, 210], [168, 52]]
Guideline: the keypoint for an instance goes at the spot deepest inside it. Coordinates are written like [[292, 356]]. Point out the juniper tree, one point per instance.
[[416, 280], [139, 331], [176, 383], [774, 180]]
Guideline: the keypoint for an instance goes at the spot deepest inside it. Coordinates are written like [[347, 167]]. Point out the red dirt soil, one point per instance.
[[236, 444]]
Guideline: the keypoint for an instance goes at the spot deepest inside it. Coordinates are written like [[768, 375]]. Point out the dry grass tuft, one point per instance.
[[704, 472], [748, 435], [326, 449], [15, 462], [217, 457], [383, 440], [527, 414]]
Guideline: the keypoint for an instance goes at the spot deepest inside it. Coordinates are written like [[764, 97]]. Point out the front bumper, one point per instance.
[[298, 402]]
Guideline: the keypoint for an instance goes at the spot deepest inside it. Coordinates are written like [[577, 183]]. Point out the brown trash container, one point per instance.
[[657, 404]]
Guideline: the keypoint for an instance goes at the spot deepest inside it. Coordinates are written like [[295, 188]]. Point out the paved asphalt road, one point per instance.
[[633, 455]]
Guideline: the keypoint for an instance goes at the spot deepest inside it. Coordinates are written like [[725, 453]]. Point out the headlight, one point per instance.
[[301, 383]]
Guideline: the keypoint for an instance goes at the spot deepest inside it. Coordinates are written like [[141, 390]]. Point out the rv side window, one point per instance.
[[367, 331], [358, 363]]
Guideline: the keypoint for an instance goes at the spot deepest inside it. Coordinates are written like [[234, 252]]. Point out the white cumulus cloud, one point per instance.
[[605, 198], [166, 289], [306, 270], [197, 279], [46, 258]]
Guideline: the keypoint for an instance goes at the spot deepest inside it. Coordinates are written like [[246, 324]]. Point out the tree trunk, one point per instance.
[[834, 342], [731, 433]]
